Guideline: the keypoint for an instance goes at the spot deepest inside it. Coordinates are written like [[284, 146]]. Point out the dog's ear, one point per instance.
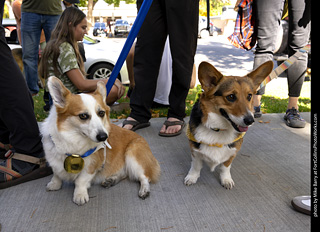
[[208, 76], [101, 89], [58, 91], [258, 75]]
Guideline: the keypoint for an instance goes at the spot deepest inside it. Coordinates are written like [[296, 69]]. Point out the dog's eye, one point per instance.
[[84, 116], [231, 98], [249, 97], [101, 113]]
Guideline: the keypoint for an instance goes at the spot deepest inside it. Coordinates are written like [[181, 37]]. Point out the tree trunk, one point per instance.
[[89, 16]]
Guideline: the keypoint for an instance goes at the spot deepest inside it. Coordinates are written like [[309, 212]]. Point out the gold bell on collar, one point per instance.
[[73, 164]]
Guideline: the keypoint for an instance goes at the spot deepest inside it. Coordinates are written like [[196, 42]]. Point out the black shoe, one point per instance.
[[257, 111], [294, 119]]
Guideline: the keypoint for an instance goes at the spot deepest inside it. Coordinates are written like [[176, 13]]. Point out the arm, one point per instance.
[[82, 83], [88, 85]]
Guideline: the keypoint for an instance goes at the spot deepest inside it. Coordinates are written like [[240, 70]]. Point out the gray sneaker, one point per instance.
[[294, 119], [257, 111]]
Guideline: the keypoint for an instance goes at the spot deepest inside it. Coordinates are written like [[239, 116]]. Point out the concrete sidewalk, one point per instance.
[[272, 167]]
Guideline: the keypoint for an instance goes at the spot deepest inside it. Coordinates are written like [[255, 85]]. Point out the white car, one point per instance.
[[101, 57]]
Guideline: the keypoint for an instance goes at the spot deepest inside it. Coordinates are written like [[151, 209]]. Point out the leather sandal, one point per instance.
[[12, 174], [135, 124], [168, 123]]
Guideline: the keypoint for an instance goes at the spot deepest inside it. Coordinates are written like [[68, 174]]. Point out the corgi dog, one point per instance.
[[219, 119], [82, 146]]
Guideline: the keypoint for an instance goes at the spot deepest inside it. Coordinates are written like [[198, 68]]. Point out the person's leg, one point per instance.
[[147, 58], [183, 35], [129, 62], [30, 36], [299, 30], [17, 119], [48, 24], [268, 15]]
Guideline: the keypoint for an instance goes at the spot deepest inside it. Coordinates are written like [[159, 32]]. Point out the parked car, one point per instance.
[[203, 32], [101, 57], [10, 28], [121, 27], [99, 29]]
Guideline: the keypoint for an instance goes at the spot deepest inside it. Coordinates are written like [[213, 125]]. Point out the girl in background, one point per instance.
[[61, 57]]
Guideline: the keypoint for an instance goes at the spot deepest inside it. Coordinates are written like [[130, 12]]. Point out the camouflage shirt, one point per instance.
[[66, 61]]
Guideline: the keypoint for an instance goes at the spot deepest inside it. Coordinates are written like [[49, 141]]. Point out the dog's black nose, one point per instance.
[[248, 120], [102, 136]]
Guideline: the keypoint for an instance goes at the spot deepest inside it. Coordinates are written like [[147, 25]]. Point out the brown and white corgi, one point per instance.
[[219, 119], [82, 146]]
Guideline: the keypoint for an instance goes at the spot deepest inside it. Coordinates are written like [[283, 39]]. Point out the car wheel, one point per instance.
[[204, 33], [101, 71], [215, 34]]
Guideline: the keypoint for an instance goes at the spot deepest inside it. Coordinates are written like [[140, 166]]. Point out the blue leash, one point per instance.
[[127, 46]]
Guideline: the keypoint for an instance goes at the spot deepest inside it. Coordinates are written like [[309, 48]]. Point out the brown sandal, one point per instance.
[[10, 177], [172, 123], [135, 124]]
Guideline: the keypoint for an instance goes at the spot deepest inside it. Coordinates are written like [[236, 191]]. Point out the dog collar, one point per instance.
[[220, 145], [74, 163], [89, 152], [92, 150]]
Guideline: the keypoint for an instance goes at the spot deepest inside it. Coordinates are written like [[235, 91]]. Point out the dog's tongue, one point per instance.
[[242, 129]]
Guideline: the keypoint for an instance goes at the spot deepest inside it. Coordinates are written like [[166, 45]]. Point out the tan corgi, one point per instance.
[[219, 119], [82, 146]]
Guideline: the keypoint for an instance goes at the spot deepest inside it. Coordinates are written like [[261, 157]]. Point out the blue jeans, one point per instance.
[[31, 26]]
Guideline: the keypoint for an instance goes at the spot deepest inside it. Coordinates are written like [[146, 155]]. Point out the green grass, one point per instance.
[[274, 101], [276, 98], [38, 107]]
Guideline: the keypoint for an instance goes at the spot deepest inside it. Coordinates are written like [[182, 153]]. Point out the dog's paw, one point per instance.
[[144, 193], [108, 183], [190, 180], [53, 186], [80, 198], [227, 183]]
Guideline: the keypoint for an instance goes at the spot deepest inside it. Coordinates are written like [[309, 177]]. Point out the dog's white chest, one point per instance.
[[215, 154]]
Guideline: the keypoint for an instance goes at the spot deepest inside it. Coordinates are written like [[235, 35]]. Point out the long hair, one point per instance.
[[63, 32]]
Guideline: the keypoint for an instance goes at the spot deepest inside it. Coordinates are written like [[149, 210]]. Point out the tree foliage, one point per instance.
[[84, 3], [117, 2], [215, 7]]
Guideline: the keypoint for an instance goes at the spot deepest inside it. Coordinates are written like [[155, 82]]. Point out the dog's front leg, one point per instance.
[[82, 183], [194, 172], [225, 176], [55, 183]]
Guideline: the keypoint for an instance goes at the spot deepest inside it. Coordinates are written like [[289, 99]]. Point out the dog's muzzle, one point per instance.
[[101, 136], [248, 120]]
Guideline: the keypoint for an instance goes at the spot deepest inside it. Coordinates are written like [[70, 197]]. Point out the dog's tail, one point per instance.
[[155, 174]]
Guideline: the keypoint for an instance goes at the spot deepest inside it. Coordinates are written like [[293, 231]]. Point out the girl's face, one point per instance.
[[80, 30]]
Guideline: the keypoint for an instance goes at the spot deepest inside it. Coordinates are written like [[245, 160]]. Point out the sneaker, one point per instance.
[[294, 119], [257, 111], [302, 204]]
